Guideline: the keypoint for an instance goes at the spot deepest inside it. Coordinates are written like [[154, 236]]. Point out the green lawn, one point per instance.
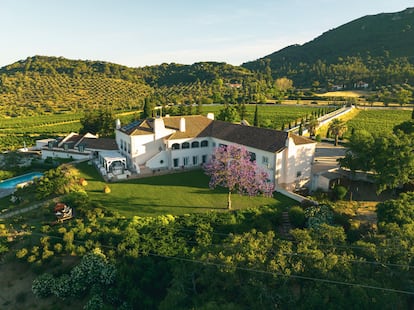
[[178, 193]]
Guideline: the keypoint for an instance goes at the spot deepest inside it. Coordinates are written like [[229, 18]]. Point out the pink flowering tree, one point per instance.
[[232, 168]]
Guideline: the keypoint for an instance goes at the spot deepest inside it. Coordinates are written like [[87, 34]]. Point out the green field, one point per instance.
[[178, 193], [377, 121]]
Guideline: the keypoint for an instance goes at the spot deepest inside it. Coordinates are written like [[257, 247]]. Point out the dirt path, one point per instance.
[[9, 214]]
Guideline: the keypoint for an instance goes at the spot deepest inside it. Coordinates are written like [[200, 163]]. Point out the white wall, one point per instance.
[[60, 153], [190, 152], [146, 150], [304, 158], [269, 167], [294, 164]]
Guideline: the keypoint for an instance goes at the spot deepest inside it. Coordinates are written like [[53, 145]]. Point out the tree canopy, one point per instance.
[[389, 156], [231, 167], [101, 122]]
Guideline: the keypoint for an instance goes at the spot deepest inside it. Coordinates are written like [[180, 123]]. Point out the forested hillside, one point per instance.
[[378, 49], [41, 84]]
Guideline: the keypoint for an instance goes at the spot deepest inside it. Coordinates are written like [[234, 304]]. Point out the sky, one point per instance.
[[138, 33]]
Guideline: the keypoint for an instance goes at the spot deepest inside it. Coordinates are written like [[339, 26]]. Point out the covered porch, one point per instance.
[[112, 163]]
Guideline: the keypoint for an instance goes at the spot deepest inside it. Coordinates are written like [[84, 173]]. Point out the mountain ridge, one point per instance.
[[384, 34]]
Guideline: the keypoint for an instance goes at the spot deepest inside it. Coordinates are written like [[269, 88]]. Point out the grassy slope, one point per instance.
[[177, 193]]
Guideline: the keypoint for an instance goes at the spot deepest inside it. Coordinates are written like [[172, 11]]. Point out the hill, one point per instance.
[[42, 84], [366, 43]]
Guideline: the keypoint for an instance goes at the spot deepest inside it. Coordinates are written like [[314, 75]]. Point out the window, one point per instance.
[[265, 160], [252, 156], [185, 145], [222, 145], [195, 160], [204, 143], [195, 144], [65, 146], [204, 159], [175, 146], [185, 161], [81, 148], [298, 174], [122, 144], [176, 162], [125, 146], [129, 148]]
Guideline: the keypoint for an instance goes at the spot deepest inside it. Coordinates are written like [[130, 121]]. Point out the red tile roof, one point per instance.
[[100, 144], [200, 126]]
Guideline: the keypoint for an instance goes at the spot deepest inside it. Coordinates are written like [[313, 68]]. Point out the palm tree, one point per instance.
[[312, 125], [337, 128]]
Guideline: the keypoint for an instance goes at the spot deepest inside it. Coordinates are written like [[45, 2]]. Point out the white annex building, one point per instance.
[[180, 142]]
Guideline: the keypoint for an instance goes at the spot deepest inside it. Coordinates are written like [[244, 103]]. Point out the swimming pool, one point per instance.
[[13, 182]]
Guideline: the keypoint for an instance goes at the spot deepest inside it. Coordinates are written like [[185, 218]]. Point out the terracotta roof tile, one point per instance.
[[74, 139], [100, 143], [300, 139], [195, 126], [200, 126], [260, 138]]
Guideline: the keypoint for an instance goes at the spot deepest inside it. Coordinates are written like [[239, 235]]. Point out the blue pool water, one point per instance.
[[13, 182]]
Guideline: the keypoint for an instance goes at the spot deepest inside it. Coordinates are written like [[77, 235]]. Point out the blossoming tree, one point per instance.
[[232, 168]]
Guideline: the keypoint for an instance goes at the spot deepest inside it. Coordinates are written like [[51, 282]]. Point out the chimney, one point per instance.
[[117, 123], [182, 124], [159, 127], [210, 116]]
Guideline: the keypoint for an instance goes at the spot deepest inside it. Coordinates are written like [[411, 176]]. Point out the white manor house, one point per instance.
[[180, 142]]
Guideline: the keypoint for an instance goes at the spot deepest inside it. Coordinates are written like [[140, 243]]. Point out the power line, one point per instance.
[[378, 263], [255, 270]]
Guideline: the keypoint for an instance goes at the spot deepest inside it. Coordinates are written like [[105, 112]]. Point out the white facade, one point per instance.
[[185, 143], [61, 153]]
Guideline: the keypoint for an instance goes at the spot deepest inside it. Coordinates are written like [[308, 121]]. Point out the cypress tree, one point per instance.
[[256, 117], [148, 108]]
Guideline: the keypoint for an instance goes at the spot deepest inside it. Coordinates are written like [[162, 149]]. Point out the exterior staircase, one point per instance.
[[285, 226]]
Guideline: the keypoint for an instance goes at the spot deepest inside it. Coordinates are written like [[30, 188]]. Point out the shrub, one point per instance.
[[297, 216], [339, 192], [319, 214], [42, 285], [22, 253], [58, 247], [106, 189], [342, 220]]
